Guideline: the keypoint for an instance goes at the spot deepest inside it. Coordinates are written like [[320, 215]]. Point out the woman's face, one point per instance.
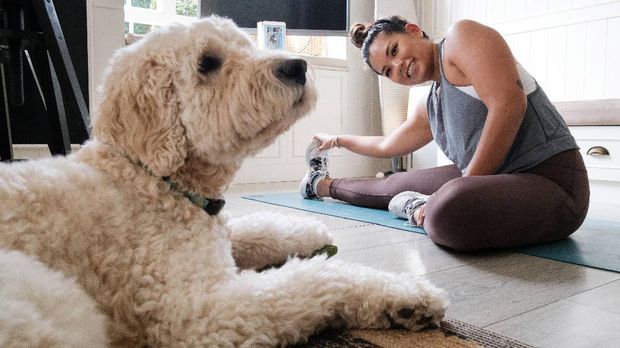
[[405, 58]]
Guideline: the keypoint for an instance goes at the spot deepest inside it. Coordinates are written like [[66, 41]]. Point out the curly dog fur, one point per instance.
[[188, 103]]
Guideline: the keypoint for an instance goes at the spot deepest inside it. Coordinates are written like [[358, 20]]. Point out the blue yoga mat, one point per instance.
[[336, 208], [596, 244]]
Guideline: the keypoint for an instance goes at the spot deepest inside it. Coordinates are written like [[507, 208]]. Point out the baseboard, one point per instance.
[[34, 151]]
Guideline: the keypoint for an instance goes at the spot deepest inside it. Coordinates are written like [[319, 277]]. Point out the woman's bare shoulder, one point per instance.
[[465, 35], [469, 44], [467, 29]]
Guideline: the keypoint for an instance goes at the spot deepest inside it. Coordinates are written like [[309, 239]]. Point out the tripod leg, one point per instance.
[[59, 53], [16, 73], [59, 143], [6, 148]]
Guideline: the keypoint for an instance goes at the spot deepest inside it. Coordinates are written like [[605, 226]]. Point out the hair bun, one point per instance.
[[358, 34]]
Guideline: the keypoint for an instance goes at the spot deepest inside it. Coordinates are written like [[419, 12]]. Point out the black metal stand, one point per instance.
[[30, 29]]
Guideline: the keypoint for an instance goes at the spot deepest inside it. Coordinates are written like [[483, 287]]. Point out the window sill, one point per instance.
[[326, 63]]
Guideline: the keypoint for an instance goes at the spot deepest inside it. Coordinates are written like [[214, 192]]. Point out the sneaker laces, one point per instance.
[[315, 158], [411, 207], [317, 161], [405, 204], [318, 164]]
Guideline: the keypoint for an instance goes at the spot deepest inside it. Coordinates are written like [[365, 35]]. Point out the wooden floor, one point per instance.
[[541, 302]]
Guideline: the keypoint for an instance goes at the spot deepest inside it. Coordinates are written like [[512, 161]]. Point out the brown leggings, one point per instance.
[[545, 203]]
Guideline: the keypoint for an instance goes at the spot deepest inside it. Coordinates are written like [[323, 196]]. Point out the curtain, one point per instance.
[[393, 97]]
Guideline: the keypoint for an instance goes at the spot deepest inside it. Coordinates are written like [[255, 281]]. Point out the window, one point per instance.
[[316, 46], [142, 16]]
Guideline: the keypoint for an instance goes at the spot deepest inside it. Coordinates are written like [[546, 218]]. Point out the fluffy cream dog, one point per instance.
[[180, 110], [43, 308]]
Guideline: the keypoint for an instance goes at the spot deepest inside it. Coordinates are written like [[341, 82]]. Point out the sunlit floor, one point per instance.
[[540, 302]]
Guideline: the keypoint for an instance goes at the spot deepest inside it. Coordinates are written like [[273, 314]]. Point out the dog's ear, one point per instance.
[[139, 113]]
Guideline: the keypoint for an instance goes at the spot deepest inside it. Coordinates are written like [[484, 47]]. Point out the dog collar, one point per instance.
[[211, 206]]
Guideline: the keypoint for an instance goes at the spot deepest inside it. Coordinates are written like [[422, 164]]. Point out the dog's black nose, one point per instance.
[[292, 70]]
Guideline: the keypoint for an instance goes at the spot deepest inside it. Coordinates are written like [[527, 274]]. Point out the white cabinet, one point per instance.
[[600, 148], [595, 124]]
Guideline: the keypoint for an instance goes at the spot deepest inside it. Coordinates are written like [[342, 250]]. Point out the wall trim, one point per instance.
[[559, 19], [115, 5], [36, 151]]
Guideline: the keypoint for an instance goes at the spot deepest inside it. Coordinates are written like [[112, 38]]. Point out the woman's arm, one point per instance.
[[479, 55], [414, 133]]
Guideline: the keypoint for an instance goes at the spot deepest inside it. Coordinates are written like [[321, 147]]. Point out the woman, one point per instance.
[[518, 177]]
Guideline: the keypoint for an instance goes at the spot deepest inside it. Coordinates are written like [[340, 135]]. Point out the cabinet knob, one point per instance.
[[597, 151]]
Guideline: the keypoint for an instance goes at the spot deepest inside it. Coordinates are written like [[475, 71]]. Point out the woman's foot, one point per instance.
[[309, 185], [317, 171], [406, 204]]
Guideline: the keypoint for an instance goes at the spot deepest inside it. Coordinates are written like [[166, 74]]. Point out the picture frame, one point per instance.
[[271, 35]]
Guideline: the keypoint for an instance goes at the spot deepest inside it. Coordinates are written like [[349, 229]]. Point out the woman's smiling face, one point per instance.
[[405, 58]]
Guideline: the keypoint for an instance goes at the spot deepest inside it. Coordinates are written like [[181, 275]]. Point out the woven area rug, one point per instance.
[[452, 333]]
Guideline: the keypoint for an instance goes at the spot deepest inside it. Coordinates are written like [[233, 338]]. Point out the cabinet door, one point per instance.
[[600, 148]]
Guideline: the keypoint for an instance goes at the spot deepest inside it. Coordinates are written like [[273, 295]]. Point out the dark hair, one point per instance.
[[363, 34]]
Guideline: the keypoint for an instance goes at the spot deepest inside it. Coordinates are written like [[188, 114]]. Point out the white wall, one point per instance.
[[570, 46], [105, 20]]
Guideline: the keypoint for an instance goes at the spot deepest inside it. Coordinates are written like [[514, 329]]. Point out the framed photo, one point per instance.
[[271, 35]]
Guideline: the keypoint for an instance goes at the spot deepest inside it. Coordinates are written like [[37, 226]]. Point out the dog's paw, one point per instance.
[[414, 317], [398, 301], [420, 307]]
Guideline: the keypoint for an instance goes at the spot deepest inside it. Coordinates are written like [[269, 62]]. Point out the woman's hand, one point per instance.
[[328, 141]]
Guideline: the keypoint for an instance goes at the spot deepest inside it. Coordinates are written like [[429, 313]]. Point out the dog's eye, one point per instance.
[[208, 64]]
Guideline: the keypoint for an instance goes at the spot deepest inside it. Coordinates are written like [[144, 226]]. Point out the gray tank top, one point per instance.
[[456, 119]]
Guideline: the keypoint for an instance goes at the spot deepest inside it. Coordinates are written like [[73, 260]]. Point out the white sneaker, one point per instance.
[[308, 187], [315, 158], [405, 204], [317, 170]]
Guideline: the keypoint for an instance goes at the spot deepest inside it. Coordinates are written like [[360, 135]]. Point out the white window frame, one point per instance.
[[163, 15]]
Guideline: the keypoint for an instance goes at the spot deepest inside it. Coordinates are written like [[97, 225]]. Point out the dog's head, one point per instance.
[[203, 89]]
